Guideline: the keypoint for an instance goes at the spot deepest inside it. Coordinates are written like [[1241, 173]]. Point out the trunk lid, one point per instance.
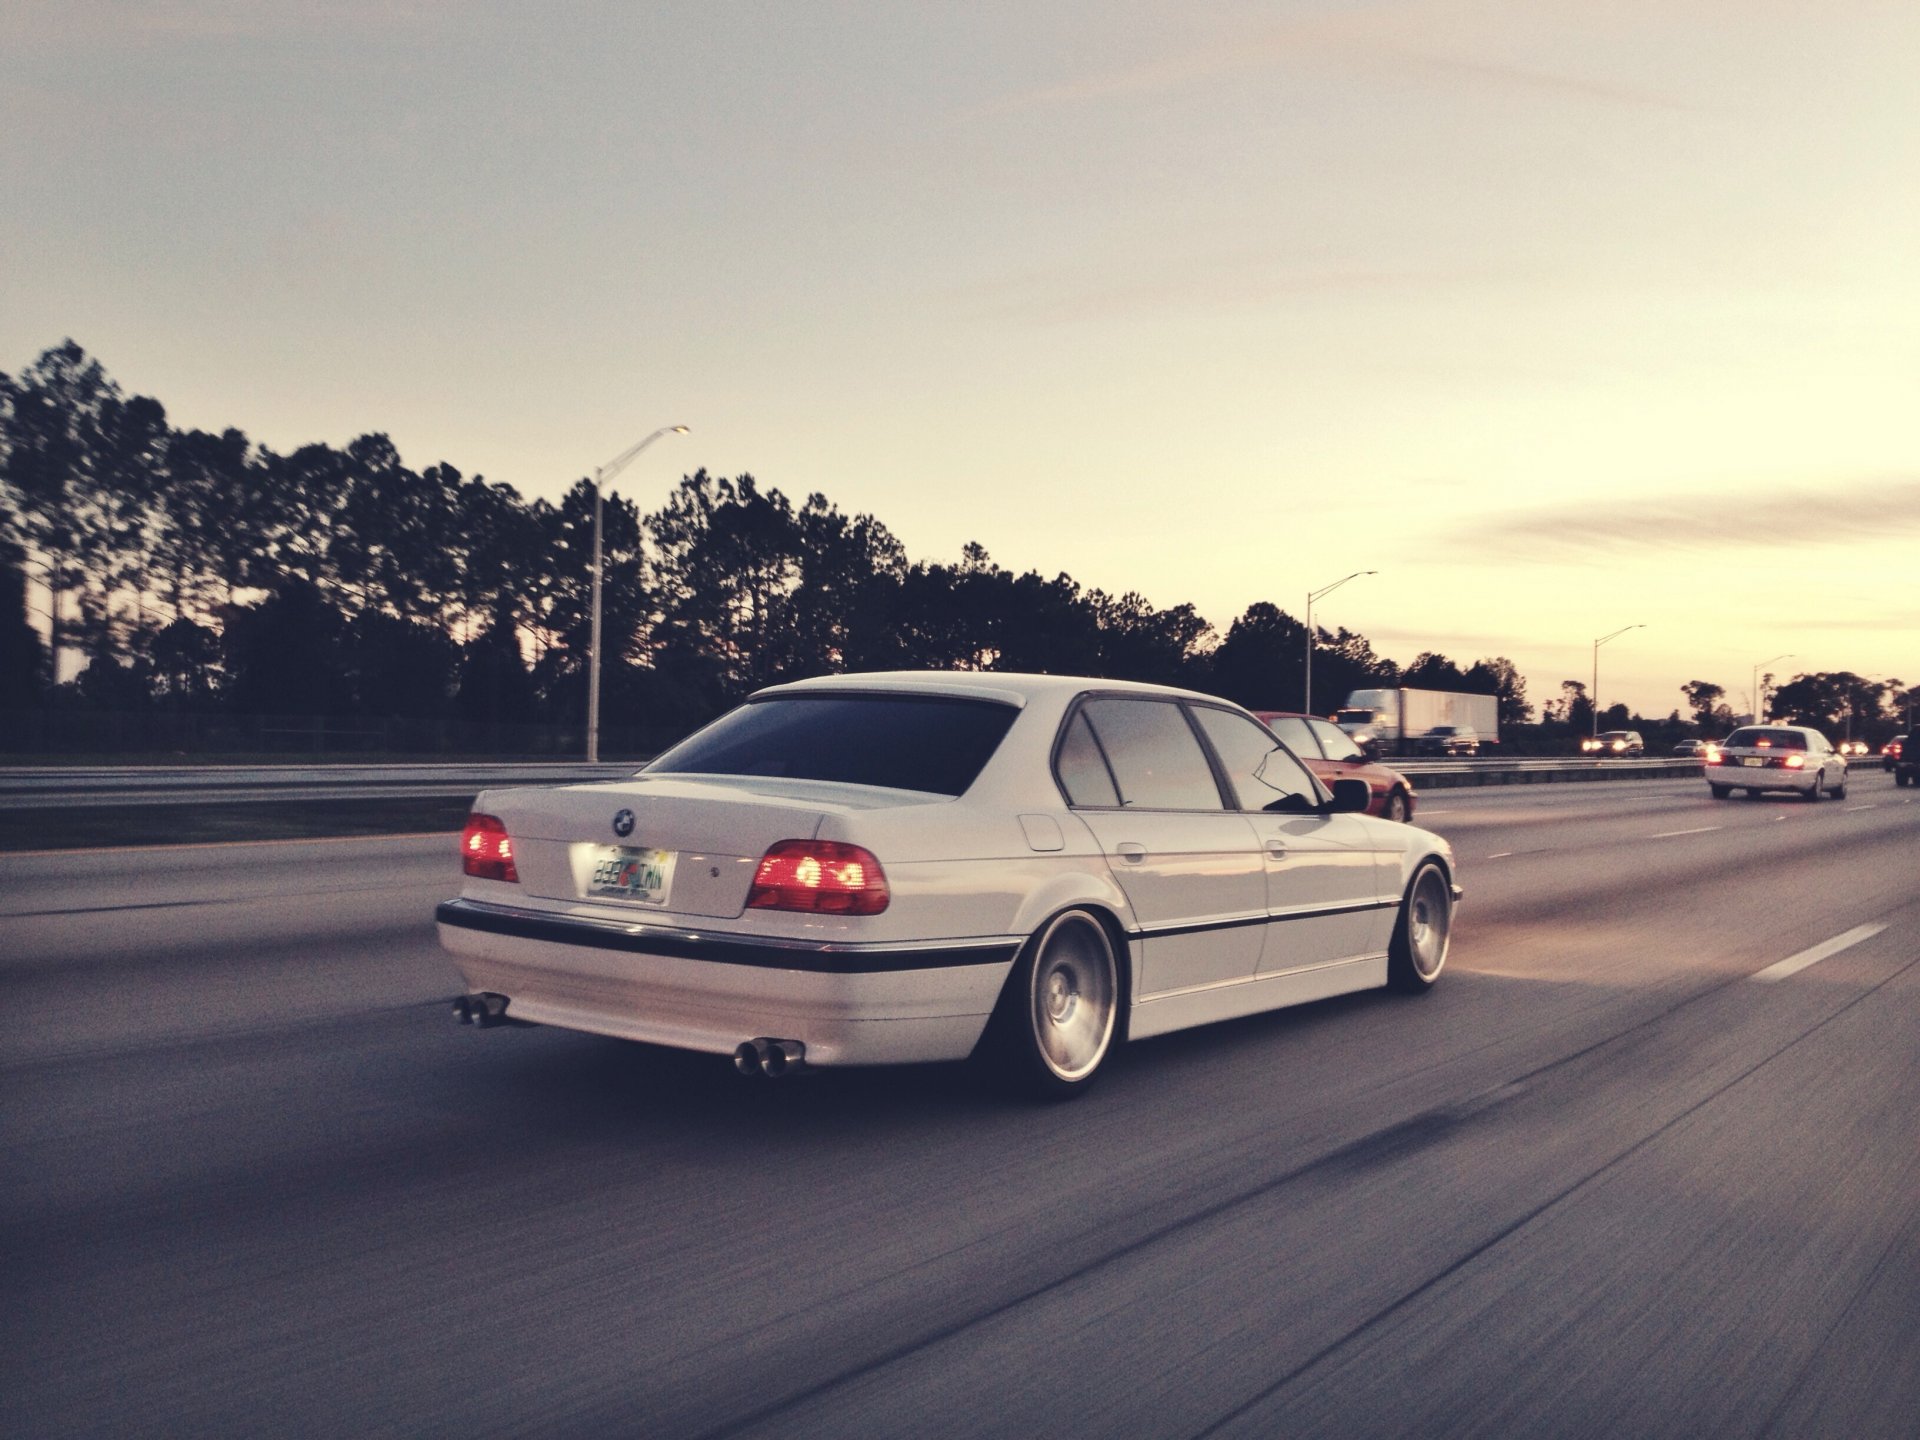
[[667, 845]]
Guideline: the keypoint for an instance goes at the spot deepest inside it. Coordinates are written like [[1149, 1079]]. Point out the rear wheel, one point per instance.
[[1840, 790], [1396, 806], [1815, 795], [1720, 792], [1418, 951], [1058, 1014]]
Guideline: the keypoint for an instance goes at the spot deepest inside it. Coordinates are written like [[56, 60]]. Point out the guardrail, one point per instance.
[[43, 788], [48, 787], [1537, 770]]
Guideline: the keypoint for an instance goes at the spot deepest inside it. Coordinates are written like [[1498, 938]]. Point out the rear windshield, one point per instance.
[[1771, 739], [902, 742]]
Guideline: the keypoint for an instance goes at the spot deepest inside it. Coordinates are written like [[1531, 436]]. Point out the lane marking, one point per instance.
[[1501, 856], [1701, 830], [1793, 964], [1863, 807]]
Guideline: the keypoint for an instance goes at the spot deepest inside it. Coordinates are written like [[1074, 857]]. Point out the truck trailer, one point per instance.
[[1389, 722]]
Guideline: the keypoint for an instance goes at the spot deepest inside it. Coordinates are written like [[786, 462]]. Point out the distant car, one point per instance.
[[1891, 752], [1777, 757], [1693, 747], [1332, 754], [873, 869], [1615, 742], [1853, 747], [1448, 740]]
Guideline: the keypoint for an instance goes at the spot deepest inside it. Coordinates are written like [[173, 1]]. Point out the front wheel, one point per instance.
[[1396, 806], [1058, 1014], [1418, 951]]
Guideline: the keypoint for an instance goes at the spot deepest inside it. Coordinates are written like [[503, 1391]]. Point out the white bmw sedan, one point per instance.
[[1776, 757], [867, 869]]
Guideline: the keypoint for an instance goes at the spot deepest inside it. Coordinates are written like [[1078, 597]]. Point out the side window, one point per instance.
[[1082, 769], [1335, 742], [1264, 776], [1156, 760], [1293, 730]]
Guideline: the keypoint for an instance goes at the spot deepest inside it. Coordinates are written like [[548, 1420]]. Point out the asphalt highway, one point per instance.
[[1646, 1163]]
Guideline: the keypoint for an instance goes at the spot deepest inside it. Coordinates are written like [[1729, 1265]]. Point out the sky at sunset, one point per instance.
[[1560, 317]]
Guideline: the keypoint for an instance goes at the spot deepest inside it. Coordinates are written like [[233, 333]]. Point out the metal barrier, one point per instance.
[[1538, 770], [44, 787]]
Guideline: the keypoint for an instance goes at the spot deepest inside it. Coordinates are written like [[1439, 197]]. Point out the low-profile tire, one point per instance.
[[1418, 951], [1059, 1013], [1719, 792], [1396, 806], [1816, 794]]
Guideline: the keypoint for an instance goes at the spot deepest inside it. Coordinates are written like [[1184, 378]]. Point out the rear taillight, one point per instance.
[[1795, 762], [820, 876], [486, 850]]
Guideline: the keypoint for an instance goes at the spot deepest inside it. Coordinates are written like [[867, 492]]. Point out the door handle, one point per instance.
[[1277, 849], [1127, 850]]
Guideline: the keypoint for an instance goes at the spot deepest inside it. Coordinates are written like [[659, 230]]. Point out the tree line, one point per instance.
[[192, 570]]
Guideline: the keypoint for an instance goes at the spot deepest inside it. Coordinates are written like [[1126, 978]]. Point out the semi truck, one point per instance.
[[1391, 722]]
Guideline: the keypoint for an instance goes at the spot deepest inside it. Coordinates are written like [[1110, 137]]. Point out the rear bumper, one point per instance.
[[1763, 778], [708, 990]]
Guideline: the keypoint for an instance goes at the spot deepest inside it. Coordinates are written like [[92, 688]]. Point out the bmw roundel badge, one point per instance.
[[623, 824]]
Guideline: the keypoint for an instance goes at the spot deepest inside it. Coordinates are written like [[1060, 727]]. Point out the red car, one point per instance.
[[1326, 750]]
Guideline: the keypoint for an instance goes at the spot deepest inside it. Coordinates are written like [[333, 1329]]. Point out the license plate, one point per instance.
[[627, 873], [1756, 761]]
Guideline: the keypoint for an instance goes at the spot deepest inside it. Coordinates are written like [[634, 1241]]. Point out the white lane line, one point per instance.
[[1794, 964], [1501, 856], [1863, 807], [1669, 834]]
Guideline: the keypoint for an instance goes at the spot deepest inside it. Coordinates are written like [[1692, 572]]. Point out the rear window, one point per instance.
[[1755, 737], [901, 742]]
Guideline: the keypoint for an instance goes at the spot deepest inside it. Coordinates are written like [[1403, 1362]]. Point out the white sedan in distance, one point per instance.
[[909, 866], [1777, 757]]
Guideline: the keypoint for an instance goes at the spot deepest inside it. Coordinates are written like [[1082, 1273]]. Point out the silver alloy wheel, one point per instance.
[[1429, 922], [1396, 806], [1074, 995]]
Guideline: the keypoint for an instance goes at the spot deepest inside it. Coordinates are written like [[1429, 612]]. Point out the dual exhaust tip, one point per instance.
[[770, 1058], [484, 1010]]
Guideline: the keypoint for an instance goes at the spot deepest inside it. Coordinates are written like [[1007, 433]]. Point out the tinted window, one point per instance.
[[1155, 756], [1755, 735], [1082, 769], [904, 742], [1334, 742], [1293, 730], [1264, 776]]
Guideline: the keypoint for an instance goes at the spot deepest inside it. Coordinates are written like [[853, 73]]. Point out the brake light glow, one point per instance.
[[486, 850], [820, 877], [1795, 762]]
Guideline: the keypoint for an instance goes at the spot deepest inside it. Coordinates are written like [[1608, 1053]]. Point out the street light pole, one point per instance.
[[600, 478], [1593, 703], [1306, 705], [1759, 701]]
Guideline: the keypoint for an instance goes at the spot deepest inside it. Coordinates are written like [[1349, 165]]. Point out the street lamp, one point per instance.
[[600, 478], [1759, 700], [1594, 704], [1306, 705]]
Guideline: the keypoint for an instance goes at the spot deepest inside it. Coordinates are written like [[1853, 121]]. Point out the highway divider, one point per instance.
[[51, 787], [1537, 770]]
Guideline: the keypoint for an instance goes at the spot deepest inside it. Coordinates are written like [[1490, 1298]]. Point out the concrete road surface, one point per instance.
[[1646, 1164]]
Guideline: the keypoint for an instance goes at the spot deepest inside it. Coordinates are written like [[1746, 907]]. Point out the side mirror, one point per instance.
[[1350, 797]]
